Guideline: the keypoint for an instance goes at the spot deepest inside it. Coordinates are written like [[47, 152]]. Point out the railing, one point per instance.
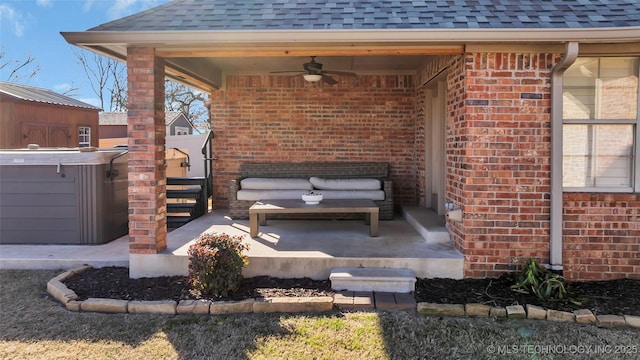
[[183, 164], [111, 173], [208, 167]]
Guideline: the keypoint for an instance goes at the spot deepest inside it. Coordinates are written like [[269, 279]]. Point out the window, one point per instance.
[[181, 130], [600, 125], [84, 136]]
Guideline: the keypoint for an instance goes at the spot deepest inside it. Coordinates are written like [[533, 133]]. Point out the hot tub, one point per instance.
[[63, 196]]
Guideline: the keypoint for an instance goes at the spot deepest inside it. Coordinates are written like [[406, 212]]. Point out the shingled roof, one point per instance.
[[30, 93], [185, 15]]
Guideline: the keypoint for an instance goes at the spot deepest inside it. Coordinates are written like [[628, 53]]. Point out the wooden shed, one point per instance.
[[31, 115]]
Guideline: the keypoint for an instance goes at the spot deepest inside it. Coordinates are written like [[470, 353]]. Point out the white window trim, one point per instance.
[[635, 176], [183, 129], [88, 134]]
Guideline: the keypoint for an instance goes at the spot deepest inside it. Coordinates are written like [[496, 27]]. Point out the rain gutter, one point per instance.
[[555, 246], [237, 37]]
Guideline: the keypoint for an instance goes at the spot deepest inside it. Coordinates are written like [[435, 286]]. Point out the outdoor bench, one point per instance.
[[334, 180]]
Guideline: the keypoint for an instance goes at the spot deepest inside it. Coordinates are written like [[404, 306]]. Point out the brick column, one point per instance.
[[146, 132]]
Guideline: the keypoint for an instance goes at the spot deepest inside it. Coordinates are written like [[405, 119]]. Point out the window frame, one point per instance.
[[183, 129], [84, 144], [635, 151]]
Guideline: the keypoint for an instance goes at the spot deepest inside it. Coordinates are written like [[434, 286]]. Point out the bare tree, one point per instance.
[[18, 70], [107, 78], [191, 102], [72, 90]]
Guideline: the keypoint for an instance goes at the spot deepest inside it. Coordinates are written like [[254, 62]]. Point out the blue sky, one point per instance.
[[32, 27]]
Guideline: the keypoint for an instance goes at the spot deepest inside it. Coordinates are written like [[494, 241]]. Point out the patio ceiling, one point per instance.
[[200, 59], [203, 64]]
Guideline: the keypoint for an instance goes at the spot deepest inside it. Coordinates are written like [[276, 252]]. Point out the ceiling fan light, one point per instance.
[[312, 77]]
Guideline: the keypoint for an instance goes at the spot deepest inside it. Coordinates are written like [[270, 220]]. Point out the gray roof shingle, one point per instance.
[[30, 93], [397, 14]]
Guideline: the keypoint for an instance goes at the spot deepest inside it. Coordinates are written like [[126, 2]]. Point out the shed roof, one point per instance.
[[190, 15], [35, 94], [120, 117]]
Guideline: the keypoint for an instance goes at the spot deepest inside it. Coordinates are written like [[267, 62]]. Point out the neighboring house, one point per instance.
[[523, 114], [114, 124], [31, 115]]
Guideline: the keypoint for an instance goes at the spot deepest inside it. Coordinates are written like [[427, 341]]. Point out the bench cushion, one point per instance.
[[254, 183], [255, 195], [345, 184]]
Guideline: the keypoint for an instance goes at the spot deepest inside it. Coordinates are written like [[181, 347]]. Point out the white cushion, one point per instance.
[[275, 184], [255, 195], [345, 184], [352, 194]]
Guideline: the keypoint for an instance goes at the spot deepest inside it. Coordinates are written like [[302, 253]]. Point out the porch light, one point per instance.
[[312, 77]]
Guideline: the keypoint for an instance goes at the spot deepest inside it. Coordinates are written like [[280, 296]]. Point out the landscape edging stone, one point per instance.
[[68, 297]]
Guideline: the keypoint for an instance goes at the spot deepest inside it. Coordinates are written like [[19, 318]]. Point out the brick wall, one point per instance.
[[283, 118], [498, 156], [455, 152], [601, 236], [146, 132], [420, 143], [498, 171]]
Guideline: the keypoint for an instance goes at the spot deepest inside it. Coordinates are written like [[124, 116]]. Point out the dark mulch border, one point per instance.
[[114, 283], [613, 297]]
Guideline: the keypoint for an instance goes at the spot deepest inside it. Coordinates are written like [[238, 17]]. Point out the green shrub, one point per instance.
[[544, 284], [215, 264]]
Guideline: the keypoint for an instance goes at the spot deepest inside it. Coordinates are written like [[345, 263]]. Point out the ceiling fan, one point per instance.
[[313, 72]]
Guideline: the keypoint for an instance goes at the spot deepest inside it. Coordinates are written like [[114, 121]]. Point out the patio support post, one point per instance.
[[555, 247], [146, 140]]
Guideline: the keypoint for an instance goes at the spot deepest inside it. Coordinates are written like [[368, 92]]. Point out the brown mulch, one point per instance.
[[615, 297]]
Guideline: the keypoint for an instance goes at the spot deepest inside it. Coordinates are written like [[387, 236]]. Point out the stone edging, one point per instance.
[[68, 297], [582, 316]]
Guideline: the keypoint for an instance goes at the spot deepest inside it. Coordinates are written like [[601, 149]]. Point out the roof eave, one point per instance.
[[451, 36], [175, 46]]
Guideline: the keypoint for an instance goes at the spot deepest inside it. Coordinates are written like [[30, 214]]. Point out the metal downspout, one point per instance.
[[555, 246]]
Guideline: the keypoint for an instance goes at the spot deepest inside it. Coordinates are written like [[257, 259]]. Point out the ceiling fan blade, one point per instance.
[[313, 68], [329, 80], [285, 71], [343, 73]]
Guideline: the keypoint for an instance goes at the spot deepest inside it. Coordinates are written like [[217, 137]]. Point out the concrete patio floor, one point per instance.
[[284, 248]]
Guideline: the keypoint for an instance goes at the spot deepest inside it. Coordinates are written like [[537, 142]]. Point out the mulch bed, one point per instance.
[[114, 283], [614, 297]]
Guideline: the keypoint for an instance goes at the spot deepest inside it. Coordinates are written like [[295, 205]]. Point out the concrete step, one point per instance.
[[431, 226], [373, 279]]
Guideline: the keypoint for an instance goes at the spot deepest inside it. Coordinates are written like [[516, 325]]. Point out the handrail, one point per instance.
[[188, 164], [206, 140], [111, 174], [208, 168]]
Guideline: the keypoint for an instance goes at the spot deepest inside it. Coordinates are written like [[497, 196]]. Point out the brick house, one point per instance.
[[522, 114], [114, 124]]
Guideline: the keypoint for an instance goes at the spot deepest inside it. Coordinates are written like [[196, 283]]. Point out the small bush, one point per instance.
[[215, 264]]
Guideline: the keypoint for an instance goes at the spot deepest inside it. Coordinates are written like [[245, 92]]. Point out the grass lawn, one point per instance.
[[34, 326]]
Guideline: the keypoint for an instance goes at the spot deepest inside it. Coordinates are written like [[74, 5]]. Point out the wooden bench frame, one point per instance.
[[258, 211]]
